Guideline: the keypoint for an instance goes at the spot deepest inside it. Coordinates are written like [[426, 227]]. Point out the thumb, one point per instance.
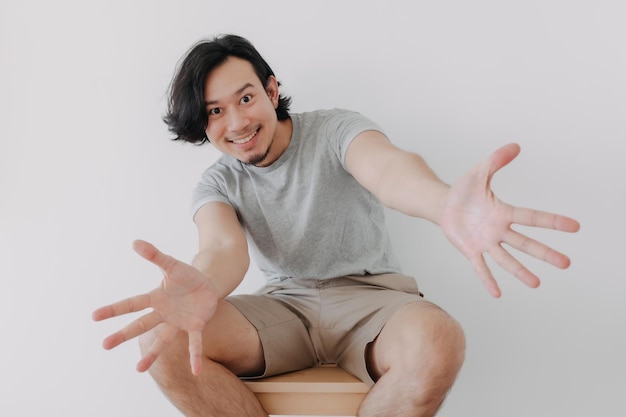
[[502, 157], [150, 253]]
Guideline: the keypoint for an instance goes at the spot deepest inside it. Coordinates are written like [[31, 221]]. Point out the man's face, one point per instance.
[[241, 112]]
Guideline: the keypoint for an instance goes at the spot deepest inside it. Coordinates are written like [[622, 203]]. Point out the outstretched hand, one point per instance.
[[186, 300], [476, 222]]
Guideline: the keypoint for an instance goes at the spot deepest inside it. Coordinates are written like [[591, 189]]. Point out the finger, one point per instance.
[[134, 329], [536, 249], [151, 253], [128, 305], [195, 351], [485, 275], [165, 333], [502, 157], [513, 266], [543, 219]]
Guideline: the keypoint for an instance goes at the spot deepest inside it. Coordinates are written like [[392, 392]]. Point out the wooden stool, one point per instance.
[[325, 390]]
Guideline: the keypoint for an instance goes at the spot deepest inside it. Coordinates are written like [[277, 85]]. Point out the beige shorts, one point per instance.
[[304, 322]]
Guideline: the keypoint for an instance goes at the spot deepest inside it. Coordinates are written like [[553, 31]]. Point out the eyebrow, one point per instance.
[[236, 93]]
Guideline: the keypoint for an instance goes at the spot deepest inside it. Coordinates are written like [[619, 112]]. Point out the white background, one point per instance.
[[86, 166]]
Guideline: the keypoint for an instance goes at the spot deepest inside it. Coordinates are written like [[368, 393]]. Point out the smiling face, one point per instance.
[[242, 119]]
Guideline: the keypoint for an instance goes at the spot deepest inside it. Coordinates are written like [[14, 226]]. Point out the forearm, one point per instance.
[[225, 266], [409, 185]]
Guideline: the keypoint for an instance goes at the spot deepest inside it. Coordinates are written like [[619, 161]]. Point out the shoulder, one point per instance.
[[219, 178], [324, 114], [224, 167], [330, 121]]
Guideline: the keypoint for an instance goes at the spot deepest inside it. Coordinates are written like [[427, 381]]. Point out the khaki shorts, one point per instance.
[[304, 322]]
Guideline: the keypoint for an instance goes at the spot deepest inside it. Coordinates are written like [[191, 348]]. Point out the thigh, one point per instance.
[[356, 310], [281, 334], [228, 339], [231, 340]]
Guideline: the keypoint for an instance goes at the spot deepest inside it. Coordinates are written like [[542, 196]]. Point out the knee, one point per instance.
[[438, 338], [173, 362], [427, 341], [442, 340]]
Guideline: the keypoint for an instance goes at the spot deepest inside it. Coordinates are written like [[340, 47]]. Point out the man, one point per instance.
[[306, 192]]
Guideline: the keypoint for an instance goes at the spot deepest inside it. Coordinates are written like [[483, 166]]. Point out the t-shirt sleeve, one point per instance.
[[342, 126], [207, 190]]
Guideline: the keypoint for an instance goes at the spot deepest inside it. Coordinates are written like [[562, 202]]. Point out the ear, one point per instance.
[[272, 90]]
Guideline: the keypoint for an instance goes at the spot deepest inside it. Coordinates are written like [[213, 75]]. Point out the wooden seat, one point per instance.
[[321, 391]]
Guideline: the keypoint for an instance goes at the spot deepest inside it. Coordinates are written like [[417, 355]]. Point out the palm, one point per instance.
[[476, 222], [181, 301], [186, 300]]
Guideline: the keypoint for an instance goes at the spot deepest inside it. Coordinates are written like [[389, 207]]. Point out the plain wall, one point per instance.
[[86, 166]]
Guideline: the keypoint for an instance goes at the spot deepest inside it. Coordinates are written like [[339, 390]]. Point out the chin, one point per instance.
[[255, 160], [258, 158]]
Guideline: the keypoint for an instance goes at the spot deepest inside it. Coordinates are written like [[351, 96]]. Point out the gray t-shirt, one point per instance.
[[305, 216]]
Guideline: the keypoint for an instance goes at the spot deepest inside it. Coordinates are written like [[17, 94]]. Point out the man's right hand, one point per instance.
[[186, 300]]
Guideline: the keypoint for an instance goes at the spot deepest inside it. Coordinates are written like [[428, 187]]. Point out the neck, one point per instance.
[[282, 138]]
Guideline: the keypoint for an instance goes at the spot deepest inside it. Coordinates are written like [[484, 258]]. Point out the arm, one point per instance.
[[469, 214], [188, 295], [223, 250], [400, 180]]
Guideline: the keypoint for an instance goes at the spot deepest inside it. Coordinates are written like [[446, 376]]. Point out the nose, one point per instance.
[[237, 120]]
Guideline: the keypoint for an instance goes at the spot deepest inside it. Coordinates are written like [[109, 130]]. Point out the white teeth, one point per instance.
[[245, 140]]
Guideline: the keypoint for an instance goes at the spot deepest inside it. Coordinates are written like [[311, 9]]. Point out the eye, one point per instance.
[[246, 99], [214, 111]]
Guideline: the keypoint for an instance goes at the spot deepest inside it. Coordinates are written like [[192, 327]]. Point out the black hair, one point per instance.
[[186, 115]]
